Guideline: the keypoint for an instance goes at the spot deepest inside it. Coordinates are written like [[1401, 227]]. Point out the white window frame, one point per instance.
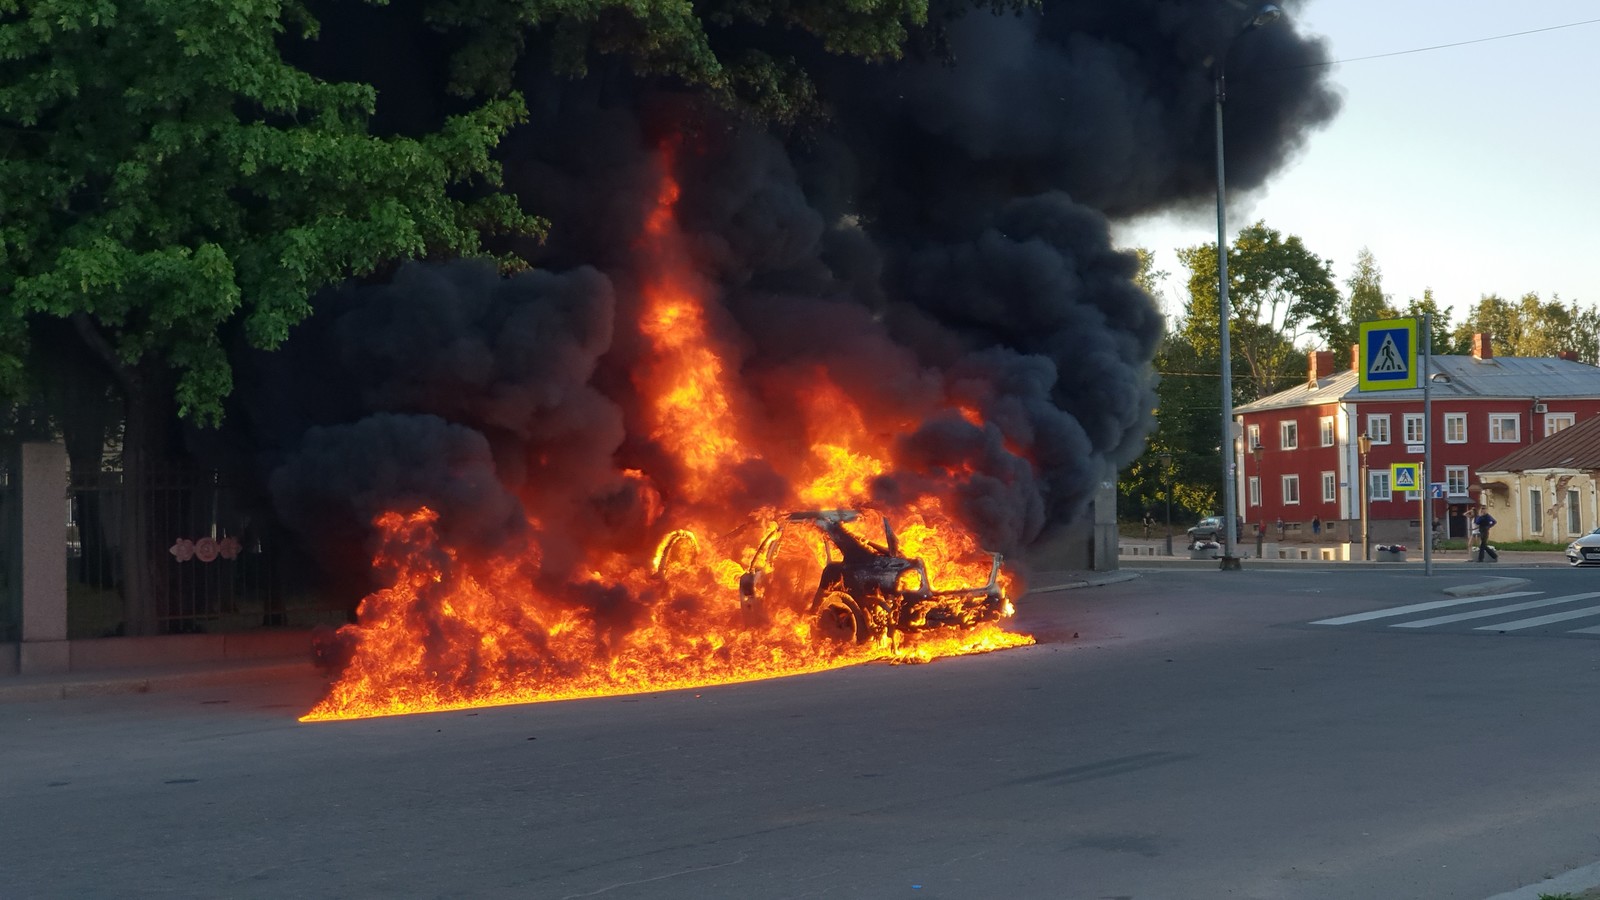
[[1254, 432], [1291, 490], [1574, 512], [1455, 480], [1497, 430], [1288, 434], [1413, 428], [1535, 512], [1554, 422], [1330, 487], [1458, 423], [1378, 422], [1255, 490], [1325, 426], [1378, 486]]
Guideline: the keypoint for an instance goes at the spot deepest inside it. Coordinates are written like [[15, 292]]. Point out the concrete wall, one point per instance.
[[42, 497]]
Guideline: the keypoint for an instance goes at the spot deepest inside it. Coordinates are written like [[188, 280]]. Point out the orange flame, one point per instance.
[[451, 632]]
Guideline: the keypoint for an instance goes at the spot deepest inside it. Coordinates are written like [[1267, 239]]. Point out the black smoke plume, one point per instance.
[[941, 236]]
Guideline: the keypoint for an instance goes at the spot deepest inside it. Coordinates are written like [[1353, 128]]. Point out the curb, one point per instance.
[[1492, 586], [1092, 581], [34, 688]]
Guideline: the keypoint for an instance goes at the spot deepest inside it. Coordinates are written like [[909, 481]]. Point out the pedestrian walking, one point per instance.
[[1149, 523], [1316, 526], [1280, 528], [1483, 522]]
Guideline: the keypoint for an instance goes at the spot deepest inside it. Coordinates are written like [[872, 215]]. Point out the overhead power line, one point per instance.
[[1482, 40]]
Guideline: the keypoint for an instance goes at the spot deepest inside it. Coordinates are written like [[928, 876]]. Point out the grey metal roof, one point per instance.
[[1455, 377], [1574, 447]]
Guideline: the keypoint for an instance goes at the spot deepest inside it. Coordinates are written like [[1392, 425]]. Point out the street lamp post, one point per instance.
[[1364, 444], [1166, 487], [1265, 14]]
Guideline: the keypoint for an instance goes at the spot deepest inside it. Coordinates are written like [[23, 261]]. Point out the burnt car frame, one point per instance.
[[869, 590]]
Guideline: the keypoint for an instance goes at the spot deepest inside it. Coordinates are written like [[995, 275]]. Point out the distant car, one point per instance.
[[1210, 529], [1585, 551], [1206, 530]]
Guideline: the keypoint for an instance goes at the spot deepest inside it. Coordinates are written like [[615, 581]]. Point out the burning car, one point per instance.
[[866, 590]]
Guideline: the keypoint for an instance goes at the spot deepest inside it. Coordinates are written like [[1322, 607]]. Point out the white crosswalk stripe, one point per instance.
[[1486, 613], [1419, 607], [1496, 609], [1536, 621]]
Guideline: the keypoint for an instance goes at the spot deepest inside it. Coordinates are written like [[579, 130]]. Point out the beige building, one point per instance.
[[1548, 491]]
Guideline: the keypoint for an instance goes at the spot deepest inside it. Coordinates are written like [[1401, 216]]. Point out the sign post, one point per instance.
[[1390, 362]]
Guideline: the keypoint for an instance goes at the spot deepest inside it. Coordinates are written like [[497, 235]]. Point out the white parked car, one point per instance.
[[1585, 551]]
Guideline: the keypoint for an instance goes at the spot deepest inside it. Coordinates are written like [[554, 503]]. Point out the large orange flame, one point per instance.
[[451, 631]]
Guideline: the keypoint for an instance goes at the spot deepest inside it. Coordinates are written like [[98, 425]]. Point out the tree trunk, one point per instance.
[[146, 422]]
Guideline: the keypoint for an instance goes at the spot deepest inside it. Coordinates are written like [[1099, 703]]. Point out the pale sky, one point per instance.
[[1472, 169]]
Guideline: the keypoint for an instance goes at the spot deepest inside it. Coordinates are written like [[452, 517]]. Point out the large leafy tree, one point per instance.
[[1532, 326], [1280, 293], [740, 51], [1366, 301], [170, 180]]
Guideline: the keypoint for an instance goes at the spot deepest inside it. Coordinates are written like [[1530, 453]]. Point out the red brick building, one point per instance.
[[1298, 457]]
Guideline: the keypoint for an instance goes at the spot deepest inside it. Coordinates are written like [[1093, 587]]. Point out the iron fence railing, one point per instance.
[[182, 552], [10, 554]]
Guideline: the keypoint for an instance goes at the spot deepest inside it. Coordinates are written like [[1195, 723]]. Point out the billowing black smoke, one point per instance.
[[941, 240]]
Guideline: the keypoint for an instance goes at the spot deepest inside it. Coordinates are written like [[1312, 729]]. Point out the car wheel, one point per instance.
[[839, 618]]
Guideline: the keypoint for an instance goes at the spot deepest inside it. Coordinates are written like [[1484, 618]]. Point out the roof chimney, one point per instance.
[[1355, 358], [1321, 366], [1568, 355], [1482, 348]]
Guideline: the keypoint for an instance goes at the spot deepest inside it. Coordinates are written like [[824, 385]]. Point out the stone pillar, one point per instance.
[[42, 495]]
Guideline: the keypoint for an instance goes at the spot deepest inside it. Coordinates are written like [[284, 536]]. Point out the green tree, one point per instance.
[[1367, 301], [1445, 341], [1531, 326], [1280, 295], [169, 178], [712, 45]]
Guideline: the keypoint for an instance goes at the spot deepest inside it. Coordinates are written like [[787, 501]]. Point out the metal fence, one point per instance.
[[10, 553], [182, 552]]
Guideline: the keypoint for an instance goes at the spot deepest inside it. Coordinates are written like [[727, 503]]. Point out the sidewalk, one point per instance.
[[146, 679], [1139, 552]]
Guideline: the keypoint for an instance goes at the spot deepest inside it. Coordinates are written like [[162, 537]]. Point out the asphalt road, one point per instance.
[[1189, 734]]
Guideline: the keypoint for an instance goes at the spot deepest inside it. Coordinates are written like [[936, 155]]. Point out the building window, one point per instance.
[[1455, 481], [1378, 429], [1535, 511], [1413, 424], [1330, 484], [1455, 428], [1574, 514], [1378, 487], [1288, 435], [1503, 429], [1327, 431], [1554, 422], [1291, 490], [1255, 490], [1255, 437]]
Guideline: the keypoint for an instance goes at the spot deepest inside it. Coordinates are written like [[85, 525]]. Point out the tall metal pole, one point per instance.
[[1229, 501], [1427, 444]]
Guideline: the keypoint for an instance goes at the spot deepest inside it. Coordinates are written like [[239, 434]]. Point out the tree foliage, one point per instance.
[[1533, 326], [166, 175], [1279, 294], [741, 51]]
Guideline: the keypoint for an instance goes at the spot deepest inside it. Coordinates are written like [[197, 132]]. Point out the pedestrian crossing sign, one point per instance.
[[1388, 355], [1404, 476]]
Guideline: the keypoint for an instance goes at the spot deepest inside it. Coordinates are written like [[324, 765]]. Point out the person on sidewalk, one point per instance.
[[1484, 522], [1149, 522], [1316, 527]]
